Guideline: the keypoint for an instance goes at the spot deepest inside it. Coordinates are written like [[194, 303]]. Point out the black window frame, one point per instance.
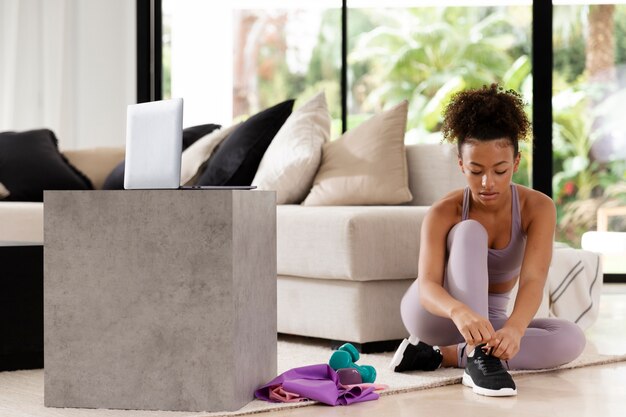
[[149, 50]]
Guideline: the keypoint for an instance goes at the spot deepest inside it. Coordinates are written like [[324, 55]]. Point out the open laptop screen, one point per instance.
[[153, 144]]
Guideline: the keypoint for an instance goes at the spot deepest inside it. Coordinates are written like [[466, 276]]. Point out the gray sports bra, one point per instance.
[[504, 264]]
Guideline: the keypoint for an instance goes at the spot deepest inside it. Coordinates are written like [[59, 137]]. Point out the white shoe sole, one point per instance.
[[399, 355], [504, 392]]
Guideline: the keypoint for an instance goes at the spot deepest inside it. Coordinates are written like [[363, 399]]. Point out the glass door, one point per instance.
[[589, 134]]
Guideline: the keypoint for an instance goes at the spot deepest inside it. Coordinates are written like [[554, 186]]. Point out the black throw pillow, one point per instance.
[[115, 180], [237, 159], [30, 162]]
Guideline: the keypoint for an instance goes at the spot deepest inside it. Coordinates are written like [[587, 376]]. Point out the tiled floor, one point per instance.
[[591, 391]]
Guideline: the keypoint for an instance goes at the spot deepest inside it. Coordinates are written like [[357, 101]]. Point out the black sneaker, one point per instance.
[[413, 355], [486, 375]]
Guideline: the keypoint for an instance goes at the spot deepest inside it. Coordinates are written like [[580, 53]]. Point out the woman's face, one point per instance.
[[488, 167]]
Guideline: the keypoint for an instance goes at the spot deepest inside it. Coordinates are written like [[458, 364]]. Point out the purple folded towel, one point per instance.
[[318, 383]]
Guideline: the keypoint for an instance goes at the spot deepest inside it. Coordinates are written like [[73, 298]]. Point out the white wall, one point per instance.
[[68, 65], [105, 65]]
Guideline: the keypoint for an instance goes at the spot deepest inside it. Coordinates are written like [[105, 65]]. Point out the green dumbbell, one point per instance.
[[346, 356]]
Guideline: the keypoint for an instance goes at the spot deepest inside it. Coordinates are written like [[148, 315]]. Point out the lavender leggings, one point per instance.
[[546, 343]]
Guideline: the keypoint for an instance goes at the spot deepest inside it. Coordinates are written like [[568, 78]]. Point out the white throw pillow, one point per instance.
[[366, 165], [199, 152], [291, 161]]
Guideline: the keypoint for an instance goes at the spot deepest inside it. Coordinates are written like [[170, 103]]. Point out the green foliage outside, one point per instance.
[[425, 55], [586, 115]]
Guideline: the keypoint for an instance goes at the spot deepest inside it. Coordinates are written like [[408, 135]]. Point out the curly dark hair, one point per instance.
[[486, 114]]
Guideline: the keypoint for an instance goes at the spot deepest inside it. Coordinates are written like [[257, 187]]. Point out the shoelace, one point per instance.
[[463, 352], [489, 364]]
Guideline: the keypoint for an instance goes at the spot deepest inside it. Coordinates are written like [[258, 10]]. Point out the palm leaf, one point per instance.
[[433, 110], [515, 75]]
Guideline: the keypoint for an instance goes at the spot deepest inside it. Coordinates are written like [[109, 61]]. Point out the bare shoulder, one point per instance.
[[535, 205], [448, 209], [533, 198]]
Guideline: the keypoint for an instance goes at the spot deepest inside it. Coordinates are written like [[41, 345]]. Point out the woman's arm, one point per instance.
[[541, 215]]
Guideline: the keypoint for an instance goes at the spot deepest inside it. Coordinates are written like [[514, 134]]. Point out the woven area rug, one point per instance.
[[21, 392]]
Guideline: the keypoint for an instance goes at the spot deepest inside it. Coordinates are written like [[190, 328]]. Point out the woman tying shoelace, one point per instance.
[[477, 243]]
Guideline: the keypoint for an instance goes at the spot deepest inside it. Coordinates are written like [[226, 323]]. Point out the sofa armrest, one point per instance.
[[21, 223], [433, 172], [95, 163]]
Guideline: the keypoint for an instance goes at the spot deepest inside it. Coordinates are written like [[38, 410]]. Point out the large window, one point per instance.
[[589, 135], [230, 60]]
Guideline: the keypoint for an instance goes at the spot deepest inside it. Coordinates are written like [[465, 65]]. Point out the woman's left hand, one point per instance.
[[506, 343]]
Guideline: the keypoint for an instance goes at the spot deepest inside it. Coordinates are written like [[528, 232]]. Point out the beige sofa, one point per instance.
[[342, 270]]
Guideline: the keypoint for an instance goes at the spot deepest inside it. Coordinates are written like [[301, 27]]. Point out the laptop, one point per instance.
[[154, 138]]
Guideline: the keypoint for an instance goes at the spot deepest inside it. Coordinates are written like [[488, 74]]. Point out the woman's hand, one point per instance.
[[506, 343], [474, 328]]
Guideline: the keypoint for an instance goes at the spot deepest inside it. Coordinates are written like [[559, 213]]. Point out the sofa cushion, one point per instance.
[[21, 223], [292, 159], [194, 158], [367, 165], [194, 133], [236, 160], [30, 162], [96, 163], [349, 242], [115, 179], [352, 311], [433, 172]]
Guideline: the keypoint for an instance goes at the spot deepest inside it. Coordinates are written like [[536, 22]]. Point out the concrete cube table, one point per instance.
[[158, 299]]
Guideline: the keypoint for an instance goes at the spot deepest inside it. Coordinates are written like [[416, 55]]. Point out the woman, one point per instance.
[[477, 243]]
